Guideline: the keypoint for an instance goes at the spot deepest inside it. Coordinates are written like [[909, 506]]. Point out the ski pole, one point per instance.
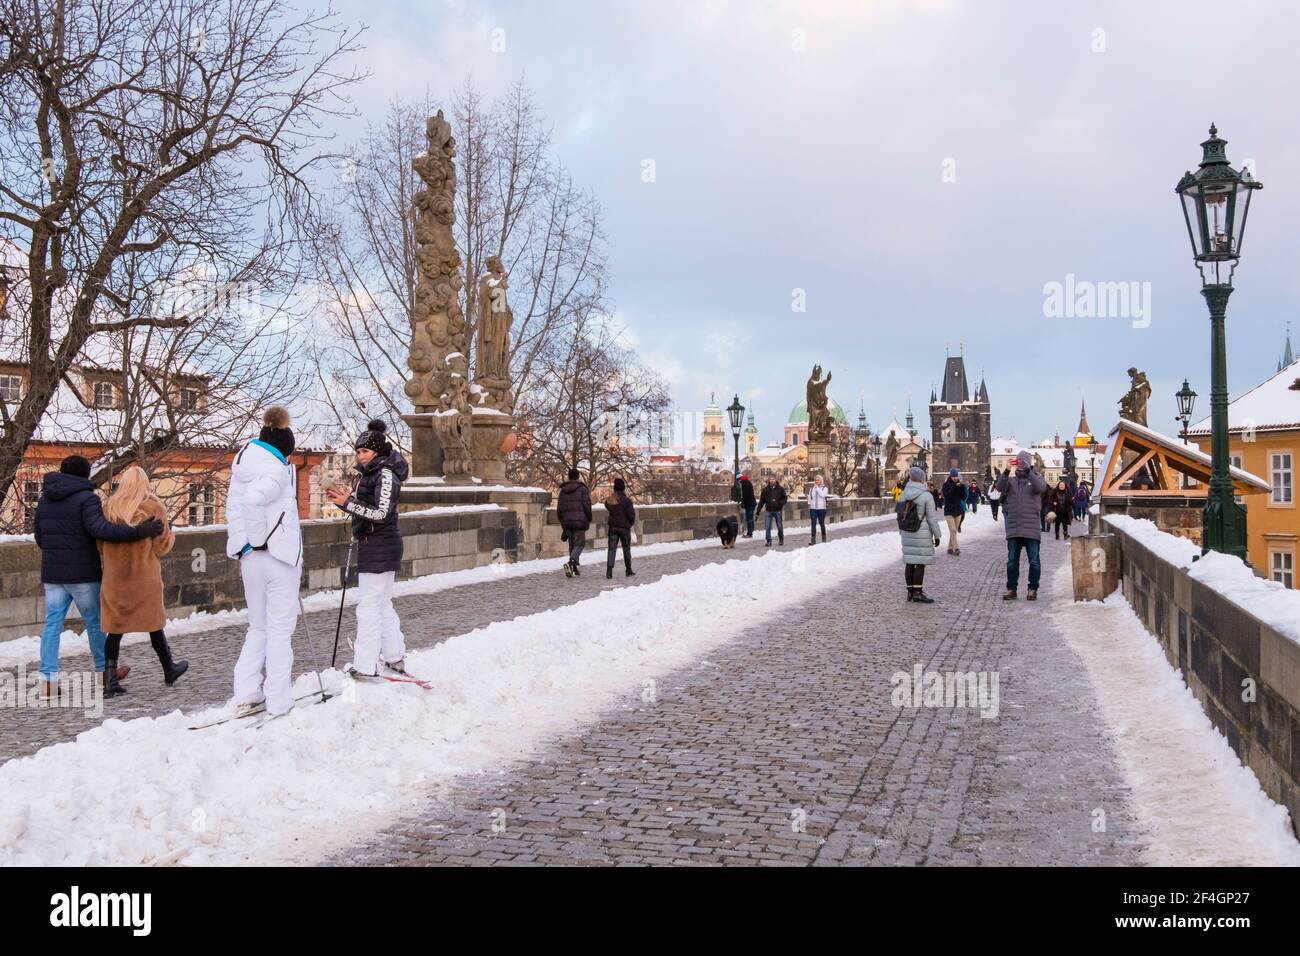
[[338, 626], [311, 646]]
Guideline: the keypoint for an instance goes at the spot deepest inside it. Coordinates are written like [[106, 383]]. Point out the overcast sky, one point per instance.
[[920, 169]]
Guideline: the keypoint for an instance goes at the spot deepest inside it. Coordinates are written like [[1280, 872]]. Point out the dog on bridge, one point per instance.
[[728, 529]]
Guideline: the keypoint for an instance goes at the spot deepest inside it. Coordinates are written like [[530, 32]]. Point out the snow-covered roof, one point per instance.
[[1273, 404], [1177, 446]]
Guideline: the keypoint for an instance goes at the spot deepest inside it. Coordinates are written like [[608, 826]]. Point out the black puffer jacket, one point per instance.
[[373, 507], [622, 515], [574, 506], [747, 498], [69, 520], [954, 493], [772, 498]]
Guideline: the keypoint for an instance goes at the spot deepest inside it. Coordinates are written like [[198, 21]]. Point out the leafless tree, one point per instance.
[[591, 408], [848, 461], [514, 200], [145, 144]]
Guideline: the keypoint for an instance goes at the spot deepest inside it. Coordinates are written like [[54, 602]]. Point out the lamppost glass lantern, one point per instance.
[[1216, 202], [736, 411], [1186, 402]]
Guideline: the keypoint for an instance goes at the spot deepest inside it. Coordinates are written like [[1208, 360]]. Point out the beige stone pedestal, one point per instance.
[[1094, 563], [819, 460]]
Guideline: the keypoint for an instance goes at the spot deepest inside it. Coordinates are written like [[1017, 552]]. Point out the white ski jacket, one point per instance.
[[262, 504]]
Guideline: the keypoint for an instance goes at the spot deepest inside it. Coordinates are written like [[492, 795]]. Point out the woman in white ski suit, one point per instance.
[[264, 536]]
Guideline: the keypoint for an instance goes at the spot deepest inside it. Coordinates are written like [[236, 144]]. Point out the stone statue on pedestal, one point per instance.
[[819, 417], [1133, 406], [492, 359], [439, 386]]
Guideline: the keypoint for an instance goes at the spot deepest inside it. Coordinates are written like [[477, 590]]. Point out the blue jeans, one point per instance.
[[58, 597], [1014, 547], [818, 516], [749, 520], [768, 518]]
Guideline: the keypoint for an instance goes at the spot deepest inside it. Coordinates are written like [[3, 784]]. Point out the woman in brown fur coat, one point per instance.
[[131, 596]]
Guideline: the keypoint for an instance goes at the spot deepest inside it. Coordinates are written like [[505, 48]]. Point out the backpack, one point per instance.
[[909, 518]]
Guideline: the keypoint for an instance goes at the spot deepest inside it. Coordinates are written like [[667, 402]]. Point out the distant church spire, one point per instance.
[[1288, 357], [1083, 418]]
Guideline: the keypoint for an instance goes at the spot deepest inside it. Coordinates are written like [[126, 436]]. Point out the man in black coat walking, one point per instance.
[[773, 500], [622, 515], [69, 520], [748, 502], [954, 496], [574, 512]]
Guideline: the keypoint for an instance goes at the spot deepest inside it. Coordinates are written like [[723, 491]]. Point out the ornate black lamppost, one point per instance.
[[1216, 201], [1186, 402], [736, 411], [875, 456]]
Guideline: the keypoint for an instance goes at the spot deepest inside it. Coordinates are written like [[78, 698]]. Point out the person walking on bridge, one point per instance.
[[817, 495], [1022, 496], [772, 503], [918, 525]]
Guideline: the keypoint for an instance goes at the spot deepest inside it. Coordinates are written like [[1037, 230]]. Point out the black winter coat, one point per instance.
[[954, 493], [69, 520], [747, 498], [622, 514], [773, 498], [373, 506], [574, 506]]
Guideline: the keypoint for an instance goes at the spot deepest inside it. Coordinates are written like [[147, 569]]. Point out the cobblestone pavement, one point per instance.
[[427, 619], [784, 748]]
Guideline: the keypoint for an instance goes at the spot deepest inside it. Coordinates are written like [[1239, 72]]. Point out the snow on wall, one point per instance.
[[1275, 605]]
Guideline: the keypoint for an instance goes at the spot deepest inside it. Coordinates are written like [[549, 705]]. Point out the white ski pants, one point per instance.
[[264, 670], [379, 632]]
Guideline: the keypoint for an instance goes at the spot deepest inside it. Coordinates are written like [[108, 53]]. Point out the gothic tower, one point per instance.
[[960, 427]]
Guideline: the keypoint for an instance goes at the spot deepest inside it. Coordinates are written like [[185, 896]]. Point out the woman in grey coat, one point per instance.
[[919, 545]]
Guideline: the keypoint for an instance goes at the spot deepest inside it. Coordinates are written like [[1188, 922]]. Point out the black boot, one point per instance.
[[922, 598], [911, 593], [609, 571], [111, 686], [172, 670], [628, 572]]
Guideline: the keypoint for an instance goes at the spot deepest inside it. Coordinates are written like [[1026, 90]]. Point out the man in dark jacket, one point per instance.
[[748, 502], [772, 501], [373, 507], [622, 515], [954, 495], [1022, 496], [574, 512], [69, 520]]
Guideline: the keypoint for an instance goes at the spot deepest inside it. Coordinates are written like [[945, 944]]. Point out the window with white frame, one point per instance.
[[188, 400], [202, 501], [105, 396], [1279, 476], [1235, 462], [1282, 567], [11, 388]]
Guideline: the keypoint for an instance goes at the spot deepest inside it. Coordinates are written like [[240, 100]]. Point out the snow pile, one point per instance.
[[24, 650], [1271, 602], [150, 791], [1194, 800]]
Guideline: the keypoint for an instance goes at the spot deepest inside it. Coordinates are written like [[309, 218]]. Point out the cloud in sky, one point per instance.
[[920, 169]]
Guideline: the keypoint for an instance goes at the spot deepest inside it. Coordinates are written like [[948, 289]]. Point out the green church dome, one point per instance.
[[799, 414]]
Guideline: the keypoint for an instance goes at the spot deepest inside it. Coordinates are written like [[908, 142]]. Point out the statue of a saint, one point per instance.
[[1133, 406], [819, 418], [492, 371]]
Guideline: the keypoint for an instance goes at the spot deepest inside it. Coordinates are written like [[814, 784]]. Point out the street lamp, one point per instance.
[[1216, 201], [1092, 457], [875, 456], [1186, 402], [736, 411]]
